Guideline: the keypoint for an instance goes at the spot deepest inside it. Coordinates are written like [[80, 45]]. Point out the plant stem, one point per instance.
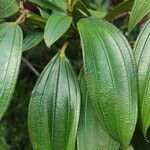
[[36, 19], [64, 48]]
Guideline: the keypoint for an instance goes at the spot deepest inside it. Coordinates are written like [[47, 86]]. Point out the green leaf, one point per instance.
[[8, 8], [142, 55], [11, 49], [79, 11], [56, 26], [120, 9], [140, 9], [91, 135], [54, 107], [60, 3], [32, 39], [44, 14], [110, 76], [46, 4]]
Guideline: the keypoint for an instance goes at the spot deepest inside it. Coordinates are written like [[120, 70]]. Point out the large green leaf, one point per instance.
[[142, 55], [54, 107], [56, 26], [110, 76], [8, 8], [91, 135], [10, 49], [140, 9], [32, 39]]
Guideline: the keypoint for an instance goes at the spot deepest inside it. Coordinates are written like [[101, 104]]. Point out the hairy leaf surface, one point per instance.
[[91, 135], [140, 9], [110, 76], [10, 49], [56, 26], [8, 8], [54, 107], [142, 55]]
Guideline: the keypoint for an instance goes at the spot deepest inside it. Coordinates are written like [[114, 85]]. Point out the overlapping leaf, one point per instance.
[[142, 55], [32, 39], [140, 9], [91, 135], [110, 76], [8, 8], [56, 26], [10, 49], [54, 107]]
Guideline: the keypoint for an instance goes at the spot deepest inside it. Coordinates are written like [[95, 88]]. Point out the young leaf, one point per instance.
[[140, 9], [56, 26], [32, 39], [44, 13], [91, 135], [110, 76], [79, 11], [142, 55], [8, 8], [10, 49], [54, 107]]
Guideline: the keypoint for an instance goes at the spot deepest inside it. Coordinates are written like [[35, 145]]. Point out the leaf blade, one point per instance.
[[8, 8], [10, 58], [54, 112], [56, 26], [141, 53], [105, 85], [32, 40], [140, 9], [46, 4]]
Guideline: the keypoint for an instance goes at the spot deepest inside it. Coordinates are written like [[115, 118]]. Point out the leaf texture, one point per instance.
[[54, 107], [8, 8], [142, 55], [11, 49], [110, 76], [56, 26], [140, 9], [91, 135], [32, 39]]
